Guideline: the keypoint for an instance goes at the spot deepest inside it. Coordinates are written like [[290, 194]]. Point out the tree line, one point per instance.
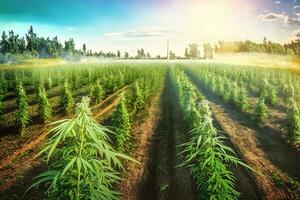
[[42, 47], [266, 46]]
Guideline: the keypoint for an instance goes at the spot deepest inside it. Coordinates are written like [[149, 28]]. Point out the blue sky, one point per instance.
[[132, 24]]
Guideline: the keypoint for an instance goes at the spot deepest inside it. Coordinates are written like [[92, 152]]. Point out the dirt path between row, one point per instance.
[[263, 149], [162, 179], [142, 134]]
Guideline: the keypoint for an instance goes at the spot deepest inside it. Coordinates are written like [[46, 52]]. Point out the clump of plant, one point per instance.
[[121, 123], [22, 117], [272, 96], [138, 102], [260, 110], [97, 93], [242, 100], [207, 155], [67, 100], [292, 122], [81, 162], [44, 107]]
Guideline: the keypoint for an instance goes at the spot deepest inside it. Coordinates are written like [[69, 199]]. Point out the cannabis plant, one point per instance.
[[97, 93], [44, 107], [121, 123], [138, 102], [22, 114], [260, 110], [67, 100], [292, 122], [82, 164]]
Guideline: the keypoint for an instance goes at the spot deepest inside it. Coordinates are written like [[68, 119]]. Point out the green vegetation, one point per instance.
[[86, 168], [206, 154], [260, 110], [67, 100], [97, 93], [22, 114], [44, 107], [292, 123], [121, 122]]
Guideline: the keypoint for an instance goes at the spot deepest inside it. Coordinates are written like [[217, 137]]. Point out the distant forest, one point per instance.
[[34, 46]]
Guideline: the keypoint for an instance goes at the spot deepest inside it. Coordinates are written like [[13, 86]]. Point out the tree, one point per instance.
[[194, 50], [119, 54], [148, 56], [126, 55], [4, 48], [208, 51], [44, 107], [70, 46], [172, 55], [31, 38], [86, 167], [22, 114], [84, 49], [13, 42], [67, 100], [121, 122], [186, 53]]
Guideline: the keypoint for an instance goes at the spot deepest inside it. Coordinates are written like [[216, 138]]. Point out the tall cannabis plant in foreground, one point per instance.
[[44, 107], [22, 114], [82, 163]]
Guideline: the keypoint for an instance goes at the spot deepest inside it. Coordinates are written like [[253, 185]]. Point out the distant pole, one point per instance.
[[168, 50]]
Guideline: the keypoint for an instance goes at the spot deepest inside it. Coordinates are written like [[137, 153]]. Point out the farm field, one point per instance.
[[149, 130]]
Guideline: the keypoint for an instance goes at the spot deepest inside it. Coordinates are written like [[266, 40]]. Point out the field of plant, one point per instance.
[[149, 130]]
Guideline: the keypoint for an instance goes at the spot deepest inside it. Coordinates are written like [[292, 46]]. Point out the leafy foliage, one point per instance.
[[121, 122], [260, 110], [97, 93], [206, 154], [44, 107], [138, 98], [292, 123], [86, 167], [22, 114], [67, 99]]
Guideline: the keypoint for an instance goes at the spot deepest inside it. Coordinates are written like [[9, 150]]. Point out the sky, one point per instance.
[[113, 25]]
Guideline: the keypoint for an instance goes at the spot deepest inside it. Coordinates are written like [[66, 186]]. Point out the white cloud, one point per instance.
[[271, 17], [297, 10], [281, 18], [277, 2], [140, 32]]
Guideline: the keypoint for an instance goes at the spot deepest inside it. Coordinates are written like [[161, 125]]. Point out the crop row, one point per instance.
[[206, 154]]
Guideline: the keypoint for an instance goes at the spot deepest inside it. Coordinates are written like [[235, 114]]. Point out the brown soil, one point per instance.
[[162, 178], [142, 133], [261, 147], [17, 176], [15, 145]]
